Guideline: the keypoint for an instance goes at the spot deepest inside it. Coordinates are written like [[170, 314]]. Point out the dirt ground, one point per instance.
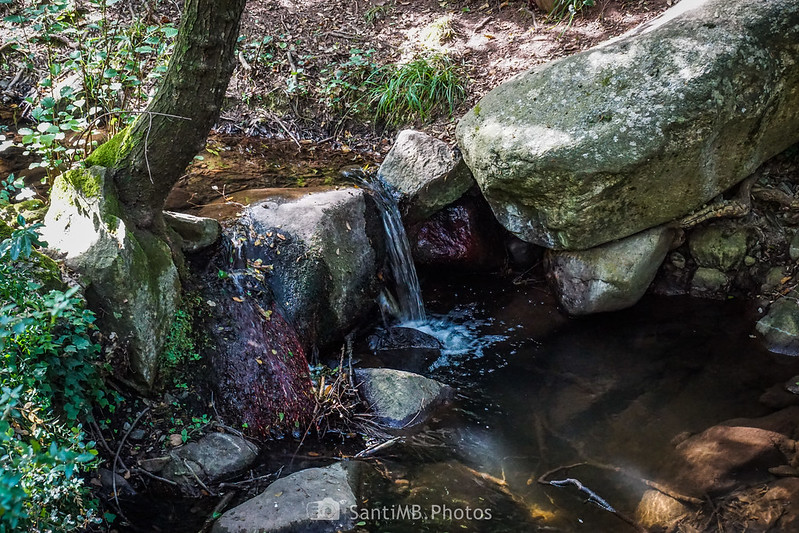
[[280, 127], [492, 40]]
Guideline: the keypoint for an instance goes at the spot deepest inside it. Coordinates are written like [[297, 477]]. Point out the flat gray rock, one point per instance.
[[315, 500], [196, 233]]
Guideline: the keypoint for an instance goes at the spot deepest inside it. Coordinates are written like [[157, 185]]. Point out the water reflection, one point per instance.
[[608, 393]]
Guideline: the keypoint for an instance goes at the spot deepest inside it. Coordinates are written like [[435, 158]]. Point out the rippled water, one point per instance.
[[539, 391]]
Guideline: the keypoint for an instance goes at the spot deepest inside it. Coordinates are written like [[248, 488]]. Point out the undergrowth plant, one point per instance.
[[49, 381], [182, 345], [418, 90], [567, 8], [105, 70]]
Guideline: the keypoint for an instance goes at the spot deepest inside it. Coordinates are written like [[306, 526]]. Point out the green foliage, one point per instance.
[[49, 376], [180, 347], [346, 85], [21, 241], [107, 72], [8, 187], [40, 489], [567, 8], [418, 90]]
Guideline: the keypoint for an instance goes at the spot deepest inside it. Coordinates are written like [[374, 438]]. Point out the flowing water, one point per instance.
[[408, 293], [539, 391]]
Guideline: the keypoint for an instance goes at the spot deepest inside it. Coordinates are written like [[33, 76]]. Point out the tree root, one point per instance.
[[737, 207]]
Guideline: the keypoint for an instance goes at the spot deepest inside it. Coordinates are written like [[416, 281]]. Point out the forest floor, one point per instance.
[[296, 57], [297, 106], [294, 54]]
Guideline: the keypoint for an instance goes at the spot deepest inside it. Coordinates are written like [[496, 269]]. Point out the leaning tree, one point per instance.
[[107, 219]]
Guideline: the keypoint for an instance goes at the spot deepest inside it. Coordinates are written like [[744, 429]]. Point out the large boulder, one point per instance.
[[325, 249], [641, 130], [315, 500], [609, 277], [130, 276], [426, 173]]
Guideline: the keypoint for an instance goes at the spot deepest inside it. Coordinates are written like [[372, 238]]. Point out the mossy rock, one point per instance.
[[642, 130], [131, 279], [719, 246], [32, 210]]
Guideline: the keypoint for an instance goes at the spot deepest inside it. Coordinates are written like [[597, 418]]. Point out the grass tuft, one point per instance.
[[418, 90]]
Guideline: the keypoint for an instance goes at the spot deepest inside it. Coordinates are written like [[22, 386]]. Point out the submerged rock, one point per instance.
[[640, 130], [315, 500], [324, 250], [658, 510], [426, 172], [400, 399], [131, 279], [196, 233], [780, 327], [723, 458], [609, 277], [462, 235]]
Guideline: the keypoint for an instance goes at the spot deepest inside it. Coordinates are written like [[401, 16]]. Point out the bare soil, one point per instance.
[[491, 40]]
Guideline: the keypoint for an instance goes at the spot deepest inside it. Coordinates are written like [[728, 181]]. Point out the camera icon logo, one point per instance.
[[327, 509]]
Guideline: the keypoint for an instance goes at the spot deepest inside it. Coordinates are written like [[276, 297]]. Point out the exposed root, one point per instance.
[[737, 207]]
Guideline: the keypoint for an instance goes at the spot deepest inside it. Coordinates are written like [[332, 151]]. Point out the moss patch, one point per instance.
[[88, 184], [107, 154]]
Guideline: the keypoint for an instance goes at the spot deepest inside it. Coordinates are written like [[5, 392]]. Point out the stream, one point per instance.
[[538, 391]]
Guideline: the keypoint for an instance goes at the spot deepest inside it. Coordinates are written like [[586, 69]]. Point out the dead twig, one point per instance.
[[116, 460], [197, 478], [246, 482], [150, 474], [288, 132], [372, 450], [220, 506]]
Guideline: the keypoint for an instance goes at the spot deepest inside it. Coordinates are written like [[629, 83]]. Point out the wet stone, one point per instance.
[[406, 348], [709, 280], [317, 500], [400, 399]]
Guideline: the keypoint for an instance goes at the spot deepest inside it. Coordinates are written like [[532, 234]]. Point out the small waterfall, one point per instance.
[[409, 294]]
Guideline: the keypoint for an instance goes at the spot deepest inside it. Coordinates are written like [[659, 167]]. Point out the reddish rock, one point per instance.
[[724, 458], [463, 235], [259, 366]]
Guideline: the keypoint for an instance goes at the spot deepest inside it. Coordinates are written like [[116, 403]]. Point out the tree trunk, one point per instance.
[[161, 142]]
